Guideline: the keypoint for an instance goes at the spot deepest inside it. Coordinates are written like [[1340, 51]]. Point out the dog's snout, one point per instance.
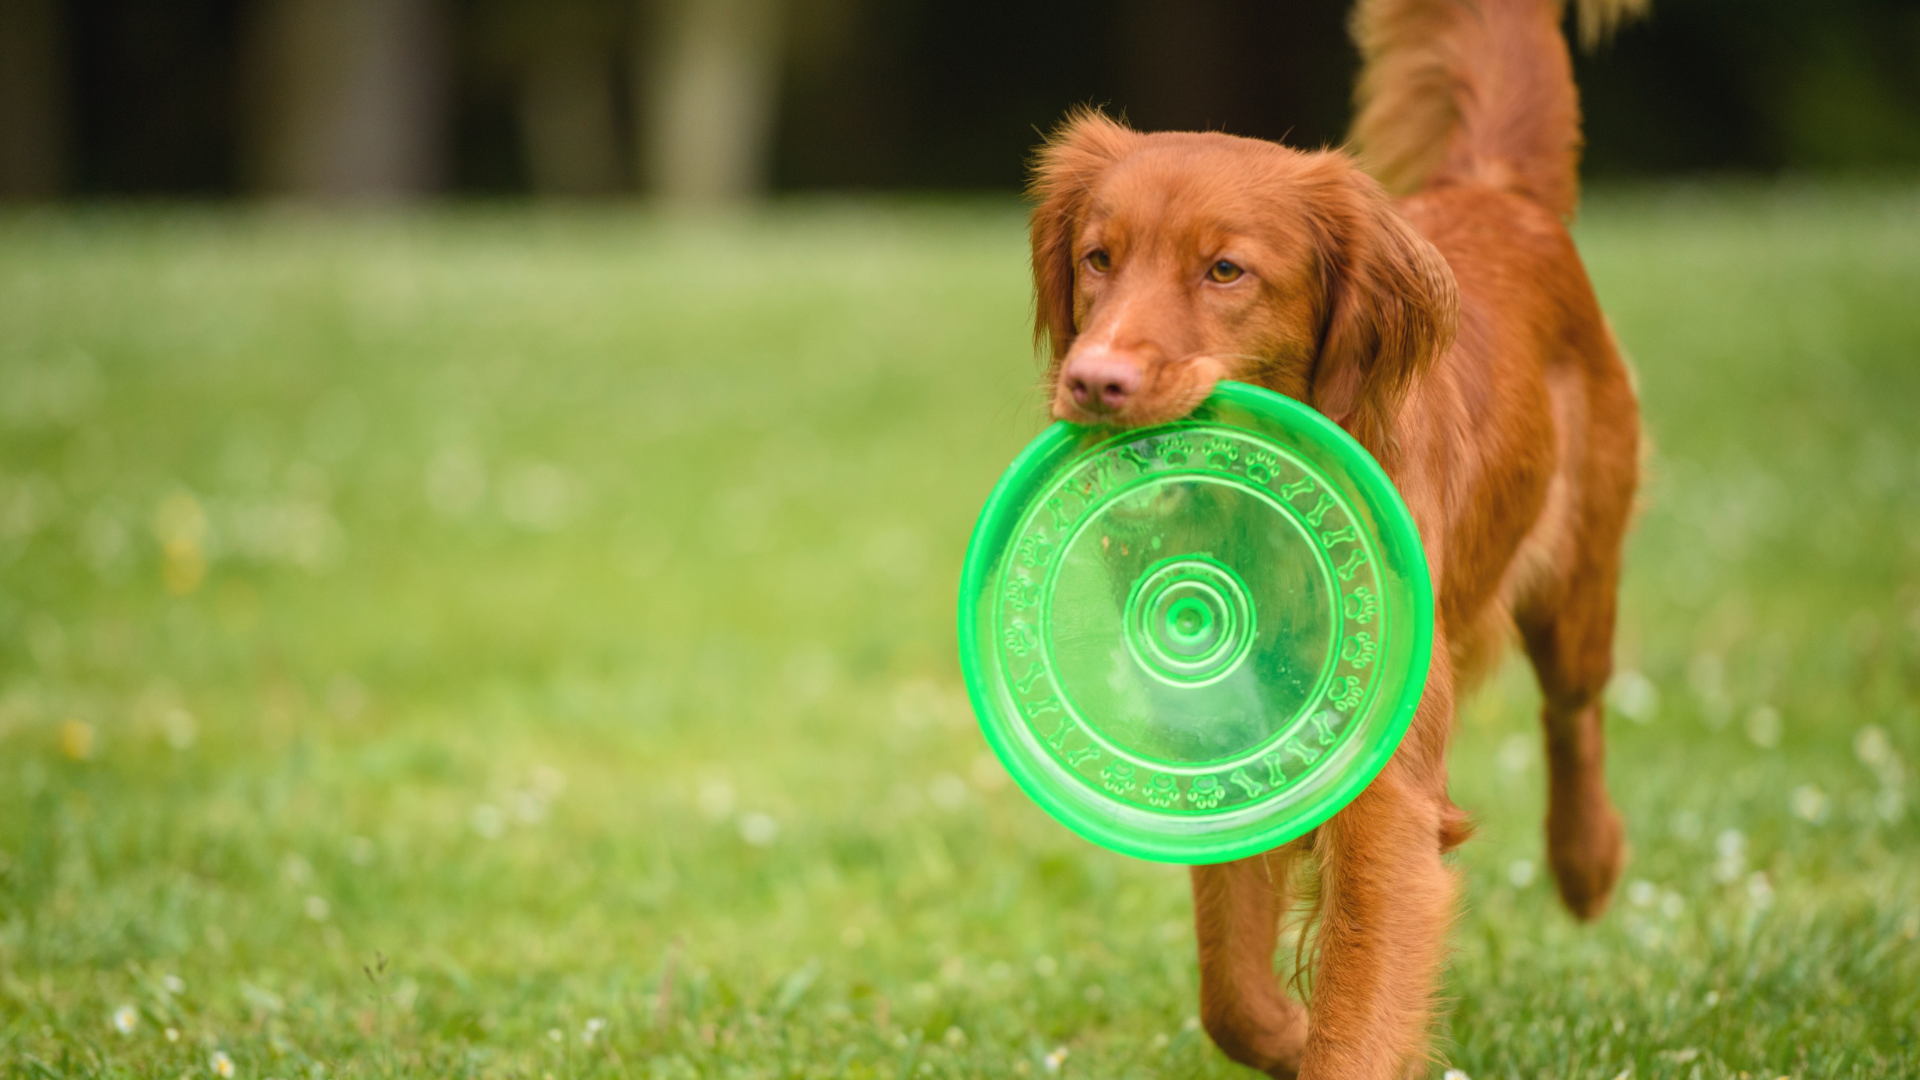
[[1103, 382]]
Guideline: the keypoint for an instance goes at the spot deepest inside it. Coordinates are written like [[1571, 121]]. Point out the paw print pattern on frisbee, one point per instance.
[[1194, 642]]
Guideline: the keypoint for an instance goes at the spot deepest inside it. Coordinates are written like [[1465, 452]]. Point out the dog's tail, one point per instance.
[[1474, 91]]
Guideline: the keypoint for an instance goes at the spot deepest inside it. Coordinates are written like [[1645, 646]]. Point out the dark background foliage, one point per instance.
[[952, 94]]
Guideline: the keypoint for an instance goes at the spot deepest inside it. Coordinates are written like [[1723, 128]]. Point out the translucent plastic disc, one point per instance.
[[1195, 642]]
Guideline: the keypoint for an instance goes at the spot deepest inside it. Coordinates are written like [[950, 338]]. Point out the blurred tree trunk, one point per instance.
[[347, 98], [562, 55], [32, 99], [708, 91]]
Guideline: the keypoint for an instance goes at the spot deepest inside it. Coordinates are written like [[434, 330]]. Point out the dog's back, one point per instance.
[[1468, 108]]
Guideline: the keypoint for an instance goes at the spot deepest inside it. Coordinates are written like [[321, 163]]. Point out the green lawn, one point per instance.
[[507, 642]]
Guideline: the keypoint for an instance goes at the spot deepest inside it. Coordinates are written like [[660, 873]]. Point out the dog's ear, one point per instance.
[[1063, 175], [1391, 308]]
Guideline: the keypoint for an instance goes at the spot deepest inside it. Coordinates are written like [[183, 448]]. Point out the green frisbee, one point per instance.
[[1192, 643]]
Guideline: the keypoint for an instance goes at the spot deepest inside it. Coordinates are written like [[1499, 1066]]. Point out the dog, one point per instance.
[[1452, 331]]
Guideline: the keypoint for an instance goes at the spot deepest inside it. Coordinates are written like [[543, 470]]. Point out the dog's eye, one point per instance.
[[1100, 261], [1224, 271]]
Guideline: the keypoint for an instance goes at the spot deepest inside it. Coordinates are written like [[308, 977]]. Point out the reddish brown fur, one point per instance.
[[1455, 334]]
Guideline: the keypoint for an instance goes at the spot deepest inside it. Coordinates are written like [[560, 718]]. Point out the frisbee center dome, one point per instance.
[[1188, 620]]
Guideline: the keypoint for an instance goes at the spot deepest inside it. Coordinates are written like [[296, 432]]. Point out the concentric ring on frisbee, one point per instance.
[[1194, 642]]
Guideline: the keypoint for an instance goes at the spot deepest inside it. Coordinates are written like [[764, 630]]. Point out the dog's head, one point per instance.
[[1164, 263]]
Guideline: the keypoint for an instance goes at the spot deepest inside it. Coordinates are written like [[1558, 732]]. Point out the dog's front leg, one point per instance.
[[1387, 900], [1236, 911]]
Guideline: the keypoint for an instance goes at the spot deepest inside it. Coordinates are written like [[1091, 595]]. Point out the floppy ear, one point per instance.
[[1391, 309], [1064, 171]]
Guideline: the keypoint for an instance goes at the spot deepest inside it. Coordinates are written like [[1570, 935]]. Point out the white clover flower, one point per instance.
[[759, 829], [1516, 753], [1634, 696], [125, 1019], [1731, 847], [488, 821], [1871, 746], [1809, 803], [1520, 873], [222, 1065], [715, 800], [1055, 1058], [595, 1025], [947, 791], [1455, 1074]]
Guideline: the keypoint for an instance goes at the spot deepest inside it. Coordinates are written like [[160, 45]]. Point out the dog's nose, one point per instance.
[[1102, 382]]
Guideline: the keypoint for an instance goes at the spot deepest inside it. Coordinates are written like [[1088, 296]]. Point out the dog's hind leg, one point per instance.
[[1585, 840], [1237, 909], [1567, 627]]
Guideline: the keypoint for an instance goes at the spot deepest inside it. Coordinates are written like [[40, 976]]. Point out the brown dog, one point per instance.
[[1455, 334]]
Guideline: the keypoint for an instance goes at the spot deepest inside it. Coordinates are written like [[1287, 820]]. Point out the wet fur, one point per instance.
[[1453, 331]]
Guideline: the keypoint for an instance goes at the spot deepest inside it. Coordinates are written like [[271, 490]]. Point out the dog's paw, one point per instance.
[[1271, 1038], [1587, 855]]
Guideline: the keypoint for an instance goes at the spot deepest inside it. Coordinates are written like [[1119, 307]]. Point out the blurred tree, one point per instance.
[[346, 97], [563, 59], [706, 96], [33, 115]]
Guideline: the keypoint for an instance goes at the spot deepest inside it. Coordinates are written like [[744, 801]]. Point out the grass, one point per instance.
[[500, 642]]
